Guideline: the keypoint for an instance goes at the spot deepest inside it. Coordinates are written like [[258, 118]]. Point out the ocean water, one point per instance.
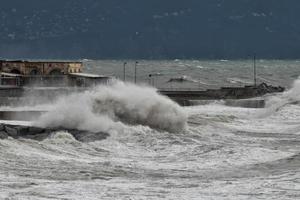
[[200, 74], [157, 149]]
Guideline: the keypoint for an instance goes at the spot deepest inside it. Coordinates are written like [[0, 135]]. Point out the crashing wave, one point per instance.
[[292, 96], [108, 108]]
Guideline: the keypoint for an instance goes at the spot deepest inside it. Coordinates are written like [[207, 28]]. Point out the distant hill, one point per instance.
[[149, 29]]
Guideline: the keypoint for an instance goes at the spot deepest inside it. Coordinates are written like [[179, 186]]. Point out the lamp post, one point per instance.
[[124, 71], [152, 78], [135, 66], [254, 69]]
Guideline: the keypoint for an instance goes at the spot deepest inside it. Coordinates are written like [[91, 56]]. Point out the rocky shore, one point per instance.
[[37, 133]]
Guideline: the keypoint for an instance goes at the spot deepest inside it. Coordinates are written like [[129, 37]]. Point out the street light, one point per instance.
[[152, 76], [254, 69], [124, 71], [135, 66]]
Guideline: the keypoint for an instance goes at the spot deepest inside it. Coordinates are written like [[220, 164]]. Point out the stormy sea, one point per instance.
[[157, 149]]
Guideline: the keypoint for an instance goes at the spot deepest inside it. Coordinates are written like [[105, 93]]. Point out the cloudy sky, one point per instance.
[[149, 29]]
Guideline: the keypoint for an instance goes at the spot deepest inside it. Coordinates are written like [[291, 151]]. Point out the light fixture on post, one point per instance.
[[135, 66], [124, 71]]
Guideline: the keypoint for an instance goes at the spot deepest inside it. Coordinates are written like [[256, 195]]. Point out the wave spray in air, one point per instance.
[[108, 108], [277, 102], [291, 96]]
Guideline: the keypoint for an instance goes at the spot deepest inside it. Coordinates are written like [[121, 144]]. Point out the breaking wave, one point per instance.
[[109, 108], [61, 137], [291, 96]]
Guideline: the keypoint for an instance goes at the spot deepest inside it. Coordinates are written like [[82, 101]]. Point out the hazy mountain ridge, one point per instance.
[[149, 29]]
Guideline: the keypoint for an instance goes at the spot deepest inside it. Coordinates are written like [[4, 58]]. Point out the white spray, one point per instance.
[[108, 108], [291, 96]]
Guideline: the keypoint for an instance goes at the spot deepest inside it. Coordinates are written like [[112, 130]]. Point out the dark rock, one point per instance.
[[38, 137], [16, 131], [22, 130], [2, 127], [3, 135], [56, 129], [36, 133], [11, 131], [35, 130]]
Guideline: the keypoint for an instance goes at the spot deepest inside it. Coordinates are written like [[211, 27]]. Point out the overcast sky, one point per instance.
[[149, 29]]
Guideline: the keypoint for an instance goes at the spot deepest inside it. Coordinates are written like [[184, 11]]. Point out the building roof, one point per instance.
[[88, 75]]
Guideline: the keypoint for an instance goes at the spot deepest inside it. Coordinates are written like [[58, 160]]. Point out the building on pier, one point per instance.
[[47, 74]]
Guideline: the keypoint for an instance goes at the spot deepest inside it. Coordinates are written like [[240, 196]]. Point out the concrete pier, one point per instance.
[[233, 96]]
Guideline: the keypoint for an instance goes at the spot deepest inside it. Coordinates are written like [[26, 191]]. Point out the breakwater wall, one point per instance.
[[37, 133], [233, 96], [224, 92]]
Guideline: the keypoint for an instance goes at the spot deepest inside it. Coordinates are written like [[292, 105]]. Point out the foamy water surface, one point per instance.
[[158, 150]]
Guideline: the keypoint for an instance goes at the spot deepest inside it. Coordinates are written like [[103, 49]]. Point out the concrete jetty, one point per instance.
[[232, 95]]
